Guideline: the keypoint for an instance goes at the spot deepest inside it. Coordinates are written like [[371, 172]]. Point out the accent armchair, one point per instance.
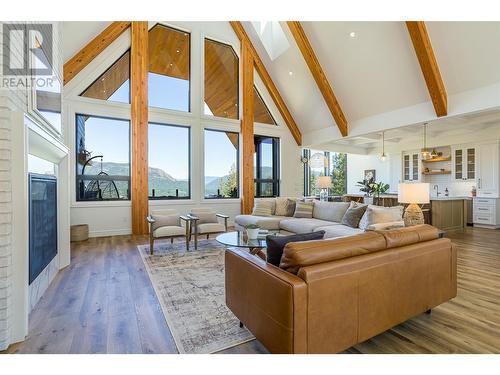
[[168, 224], [206, 221]]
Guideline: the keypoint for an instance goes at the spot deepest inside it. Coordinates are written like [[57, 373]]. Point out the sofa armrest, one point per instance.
[[388, 225], [269, 301]]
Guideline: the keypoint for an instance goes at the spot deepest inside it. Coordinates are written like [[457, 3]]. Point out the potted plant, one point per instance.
[[252, 231], [379, 188], [366, 187]]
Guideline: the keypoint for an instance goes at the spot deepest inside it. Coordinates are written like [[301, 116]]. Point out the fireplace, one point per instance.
[[42, 222]]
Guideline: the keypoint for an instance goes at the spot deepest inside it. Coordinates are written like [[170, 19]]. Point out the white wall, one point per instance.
[[114, 218], [357, 164]]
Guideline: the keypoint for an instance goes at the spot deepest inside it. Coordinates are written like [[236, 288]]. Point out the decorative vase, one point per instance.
[[253, 233], [368, 200]]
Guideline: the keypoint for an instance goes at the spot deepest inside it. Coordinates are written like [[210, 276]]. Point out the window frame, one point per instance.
[[204, 197], [276, 167], [75, 154], [174, 198], [176, 112]]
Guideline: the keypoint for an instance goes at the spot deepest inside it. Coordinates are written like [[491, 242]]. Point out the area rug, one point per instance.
[[190, 288]]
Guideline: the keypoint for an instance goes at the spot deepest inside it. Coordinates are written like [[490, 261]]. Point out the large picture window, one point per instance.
[[169, 68], [266, 166], [102, 158], [221, 80], [221, 164], [169, 162]]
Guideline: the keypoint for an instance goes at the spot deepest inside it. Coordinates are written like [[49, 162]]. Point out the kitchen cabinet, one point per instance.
[[448, 214], [411, 166], [488, 165], [486, 212], [463, 163]]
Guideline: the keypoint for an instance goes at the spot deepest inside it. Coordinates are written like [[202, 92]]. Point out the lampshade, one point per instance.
[[413, 193], [324, 182]]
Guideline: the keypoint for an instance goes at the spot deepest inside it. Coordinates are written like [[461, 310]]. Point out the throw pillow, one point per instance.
[[304, 210], [353, 215], [165, 221], [290, 207], [330, 211], [206, 217], [378, 214], [263, 208], [276, 244], [281, 206]]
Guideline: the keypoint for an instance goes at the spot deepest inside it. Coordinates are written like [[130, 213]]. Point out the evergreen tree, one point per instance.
[[339, 174], [229, 186]]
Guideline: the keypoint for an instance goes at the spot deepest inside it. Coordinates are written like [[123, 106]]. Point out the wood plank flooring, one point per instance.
[[104, 303]]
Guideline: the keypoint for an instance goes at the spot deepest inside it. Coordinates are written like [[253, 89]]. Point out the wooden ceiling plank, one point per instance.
[[319, 75], [88, 53], [428, 65], [268, 82]]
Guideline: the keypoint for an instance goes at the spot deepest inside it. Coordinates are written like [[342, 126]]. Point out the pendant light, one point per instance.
[[383, 156], [425, 153]]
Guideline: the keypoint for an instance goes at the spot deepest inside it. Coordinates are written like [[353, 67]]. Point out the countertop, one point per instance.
[[458, 198]]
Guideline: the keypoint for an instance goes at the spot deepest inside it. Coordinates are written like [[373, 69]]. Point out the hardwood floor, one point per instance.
[[104, 303]]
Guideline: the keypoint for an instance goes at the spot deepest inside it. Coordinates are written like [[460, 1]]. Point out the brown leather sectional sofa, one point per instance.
[[329, 295]]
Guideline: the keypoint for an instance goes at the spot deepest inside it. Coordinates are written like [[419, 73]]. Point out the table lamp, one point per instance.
[[414, 194], [324, 182]]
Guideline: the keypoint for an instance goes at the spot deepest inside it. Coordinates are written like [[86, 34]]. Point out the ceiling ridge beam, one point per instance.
[[268, 82], [428, 65], [93, 48], [319, 75]]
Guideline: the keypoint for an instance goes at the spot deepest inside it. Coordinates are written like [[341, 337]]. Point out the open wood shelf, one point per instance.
[[434, 173], [436, 160]]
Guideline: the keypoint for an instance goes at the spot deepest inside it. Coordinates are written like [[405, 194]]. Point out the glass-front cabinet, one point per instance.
[[464, 162], [411, 166]]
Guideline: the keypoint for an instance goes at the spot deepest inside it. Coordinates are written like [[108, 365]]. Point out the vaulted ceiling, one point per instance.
[[373, 70]]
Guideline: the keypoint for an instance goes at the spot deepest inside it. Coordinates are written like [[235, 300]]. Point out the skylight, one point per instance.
[[272, 36]]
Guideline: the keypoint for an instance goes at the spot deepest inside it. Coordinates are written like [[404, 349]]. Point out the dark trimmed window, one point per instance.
[[221, 164], [102, 158], [169, 172], [266, 166]]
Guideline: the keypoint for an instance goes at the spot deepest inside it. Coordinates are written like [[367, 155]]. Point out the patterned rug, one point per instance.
[[190, 288]]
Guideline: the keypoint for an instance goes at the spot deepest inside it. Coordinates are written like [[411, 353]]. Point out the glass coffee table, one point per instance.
[[239, 239]]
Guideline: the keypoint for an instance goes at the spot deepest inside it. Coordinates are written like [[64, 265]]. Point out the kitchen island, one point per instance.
[[451, 213]]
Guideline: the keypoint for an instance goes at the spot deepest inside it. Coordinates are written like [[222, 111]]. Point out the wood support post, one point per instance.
[[139, 96], [247, 191]]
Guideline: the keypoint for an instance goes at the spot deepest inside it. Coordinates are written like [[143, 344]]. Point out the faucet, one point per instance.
[[436, 187]]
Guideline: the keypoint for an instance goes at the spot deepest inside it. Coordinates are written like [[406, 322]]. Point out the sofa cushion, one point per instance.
[[353, 216], [280, 206], [409, 235], [303, 225], [263, 208], [303, 210], [301, 254], [378, 214], [335, 231], [275, 244], [290, 207], [330, 211], [264, 222]]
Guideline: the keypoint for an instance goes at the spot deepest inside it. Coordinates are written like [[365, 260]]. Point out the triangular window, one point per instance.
[[261, 112], [114, 83]]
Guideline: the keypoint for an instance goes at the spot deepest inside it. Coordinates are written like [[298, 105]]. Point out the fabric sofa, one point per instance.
[[329, 295], [326, 216]]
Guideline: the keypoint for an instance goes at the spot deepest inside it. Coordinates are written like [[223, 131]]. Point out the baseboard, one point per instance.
[[110, 232]]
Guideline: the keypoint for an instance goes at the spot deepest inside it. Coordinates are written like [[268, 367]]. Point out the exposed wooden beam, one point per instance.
[[268, 82], [93, 48], [139, 95], [428, 64], [319, 75], [247, 64]]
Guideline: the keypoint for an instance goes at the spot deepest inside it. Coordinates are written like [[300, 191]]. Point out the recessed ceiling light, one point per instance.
[[178, 51], [290, 73], [352, 34]]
